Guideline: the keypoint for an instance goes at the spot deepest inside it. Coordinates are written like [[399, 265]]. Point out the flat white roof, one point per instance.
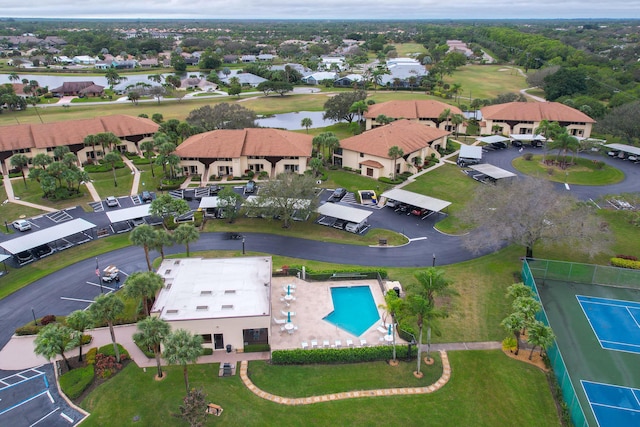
[[492, 138], [344, 212], [48, 235], [129, 213], [198, 288], [492, 171], [208, 202], [624, 147], [526, 137], [415, 199], [470, 152]]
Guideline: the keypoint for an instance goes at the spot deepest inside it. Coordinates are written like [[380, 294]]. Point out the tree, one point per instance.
[[148, 149], [514, 323], [133, 96], [621, 121], [565, 82], [228, 201], [222, 116], [144, 235], [182, 348], [359, 108], [306, 123], [528, 306], [113, 159], [157, 92], [163, 238], [424, 312], [315, 164], [456, 121], [395, 153], [283, 196], [14, 77], [338, 107], [392, 305], [564, 143], [152, 331], [91, 141], [107, 308], [540, 335], [325, 141], [113, 78], [20, 161], [80, 320], [55, 339], [144, 286], [193, 409], [178, 63], [234, 89], [185, 234], [165, 206], [157, 78], [431, 283], [42, 160], [515, 212], [519, 290], [445, 115], [208, 60]]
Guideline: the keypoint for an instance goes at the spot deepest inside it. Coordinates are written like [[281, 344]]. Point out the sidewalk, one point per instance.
[[12, 199], [136, 175]]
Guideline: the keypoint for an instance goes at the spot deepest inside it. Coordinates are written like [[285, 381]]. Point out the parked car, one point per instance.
[[250, 187], [146, 197], [22, 225], [111, 201], [337, 195]]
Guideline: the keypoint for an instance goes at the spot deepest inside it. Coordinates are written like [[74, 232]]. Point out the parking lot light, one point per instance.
[[434, 261], [33, 312]]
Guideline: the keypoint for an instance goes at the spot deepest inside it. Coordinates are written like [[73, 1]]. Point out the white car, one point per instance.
[[21, 225], [111, 201]]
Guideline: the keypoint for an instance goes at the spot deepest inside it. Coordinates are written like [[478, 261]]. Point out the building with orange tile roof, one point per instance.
[[233, 151], [425, 111], [369, 151], [524, 118], [33, 139]]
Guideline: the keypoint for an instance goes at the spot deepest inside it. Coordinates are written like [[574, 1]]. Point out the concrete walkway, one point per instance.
[[136, 175], [8, 187]]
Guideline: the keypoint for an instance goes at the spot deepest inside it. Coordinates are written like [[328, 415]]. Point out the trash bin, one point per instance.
[[397, 290], [228, 348]]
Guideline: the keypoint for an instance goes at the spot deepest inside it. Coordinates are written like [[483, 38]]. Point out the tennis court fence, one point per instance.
[[529, 275], [584, 273]]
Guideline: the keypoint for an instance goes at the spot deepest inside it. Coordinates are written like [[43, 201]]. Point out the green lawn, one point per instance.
[[33, 193], [584, 172], [12, 211], [486, 81], [104, 184], [515, 389], [406, 49]]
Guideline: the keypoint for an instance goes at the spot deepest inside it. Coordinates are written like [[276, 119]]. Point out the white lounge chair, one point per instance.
[[338, 344], [314, 343], [305, 345], [288, 313], [382, 330], [363, 343], [325, 343], [279, 321], [349, 342]]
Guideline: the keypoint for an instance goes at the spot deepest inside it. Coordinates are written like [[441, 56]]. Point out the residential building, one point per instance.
[[403, 73], [525, 117], [84, 60], [319, 77], [233, 151], [87, 88], [424, 111], [335, 63], [229, 312], [349, 80], [369, 151], [33, 139]]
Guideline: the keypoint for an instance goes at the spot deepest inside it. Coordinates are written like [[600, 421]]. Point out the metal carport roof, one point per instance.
[[526, 137], [624, 147], [492, 171], [415, 199], [48, 235], [208, 202], [470, 152], [492, 139], [344, 212], [129, 213]]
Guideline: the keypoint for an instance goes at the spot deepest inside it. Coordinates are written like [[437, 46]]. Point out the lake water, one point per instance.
[[291, 121]]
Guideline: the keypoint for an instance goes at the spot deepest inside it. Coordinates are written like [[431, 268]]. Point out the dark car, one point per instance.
[[337, 195], [250, 187], [146, 197]]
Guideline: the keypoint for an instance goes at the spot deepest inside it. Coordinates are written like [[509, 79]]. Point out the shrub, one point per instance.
[[527, 156], [74, 382], [207, 351], [340, 355], [106, 365], [157, 117], [629, 257], [27, 330], [86, 339], [146, 350], [107, 350], [625, 263], [91, 356], [49, 318], [143, 115], [255, 348], [599, 164], [390, 181]]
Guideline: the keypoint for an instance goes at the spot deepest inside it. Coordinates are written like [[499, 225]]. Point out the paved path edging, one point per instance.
[[403, 391]]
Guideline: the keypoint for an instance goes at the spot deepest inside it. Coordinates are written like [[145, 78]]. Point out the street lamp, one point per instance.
[[243, 245], [433, 264], [35, 321]]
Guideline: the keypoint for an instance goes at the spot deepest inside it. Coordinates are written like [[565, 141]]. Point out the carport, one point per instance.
[[536, 140], [209, 204], [492, 139], [62, 235], [469, 155], [633, 153], [426, 205], [493, 172], [330, 213], [120, 219]]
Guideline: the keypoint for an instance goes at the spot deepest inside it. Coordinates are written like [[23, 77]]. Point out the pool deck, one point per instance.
[[313, 302]]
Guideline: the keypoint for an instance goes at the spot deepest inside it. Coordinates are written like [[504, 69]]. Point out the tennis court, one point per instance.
[[616, 323], [613, 406]]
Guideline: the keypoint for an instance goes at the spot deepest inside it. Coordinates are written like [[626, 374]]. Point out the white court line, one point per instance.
[[41, 419]]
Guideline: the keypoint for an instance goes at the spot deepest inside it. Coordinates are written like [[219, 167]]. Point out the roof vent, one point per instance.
[[172, 311], [204, 293], [176, 262], [230, 291], [227, 306], [167, 271], [202, 307]]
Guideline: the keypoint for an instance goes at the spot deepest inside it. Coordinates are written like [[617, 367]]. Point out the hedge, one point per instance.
[[355, 270], [90, 357], [207, 351], [146, 350], [256, 348], [390, 181], [107, 350], [340, 355], [74, 382], [625, 263]]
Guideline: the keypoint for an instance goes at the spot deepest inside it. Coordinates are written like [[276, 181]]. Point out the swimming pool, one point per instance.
[[354, 309]]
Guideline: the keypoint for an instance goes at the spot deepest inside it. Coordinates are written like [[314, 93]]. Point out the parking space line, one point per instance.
[[66, 417], [101, 286], [47, 415], [24, 401], [77, 299]]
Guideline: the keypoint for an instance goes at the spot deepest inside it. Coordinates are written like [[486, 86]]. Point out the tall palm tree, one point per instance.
[[395, 153], [106, 308], [431, 283], [91, 141], [163, 239], [185, 234], [425, 313], [54, 339], [392, 305], [306, 123], [80, 320], [148, 149], [14, 77], [456, 121], [564, 143], [145, 236], [540, 335], [42, 160], [550, 130], [152, 332], [20, 161], [445, 115], [143, 286], [182, 348], [112, 159], [528, 306]]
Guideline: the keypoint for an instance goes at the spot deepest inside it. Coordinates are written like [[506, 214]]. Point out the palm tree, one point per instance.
[[182, 348], [564, 143], [445, 115], [425, 312], [145, 236], [528, 306], [549, 130], [80, 320], [306, 123], [20, 161], [456, 121], [14, 77], [540, 335], [92, 141], [519, 290], [33, 101], [55, 339], [143, 286], [359, 107], [107, 308], [157, 78], [323, 140], [431, 284], [185, 234], [112, 158], [42, 160], [148, 149], [163, 238], [392, 305], [514, 323], [152, 333], [395, 153]]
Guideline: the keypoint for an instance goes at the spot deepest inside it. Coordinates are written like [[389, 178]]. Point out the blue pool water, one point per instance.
[[354, 309]]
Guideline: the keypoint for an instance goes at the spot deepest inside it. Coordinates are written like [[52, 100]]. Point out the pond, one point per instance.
[[291, 121]]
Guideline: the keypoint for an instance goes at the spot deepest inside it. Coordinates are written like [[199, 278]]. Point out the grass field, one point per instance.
[[584, 172], [512, 385], [486, 81]]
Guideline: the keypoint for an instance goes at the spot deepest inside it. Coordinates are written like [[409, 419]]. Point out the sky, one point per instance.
[[321, 9]]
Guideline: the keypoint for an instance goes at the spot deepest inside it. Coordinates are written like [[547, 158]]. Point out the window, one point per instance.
[[206, 338], [369, 172]]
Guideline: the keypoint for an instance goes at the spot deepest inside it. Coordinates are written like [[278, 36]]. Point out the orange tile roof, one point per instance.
[[415, 109], [372, 163], [71, 132], [227, 143], [534, 112], [409, 135]]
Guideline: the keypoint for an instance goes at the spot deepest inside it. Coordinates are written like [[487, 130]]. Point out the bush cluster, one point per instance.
[[27, 330], [74, 382], [90, 357], [625, 263], [49, 318], [255, 348], [340, 355], [106, 365], [102, 167], [629, 257], [107, 350]]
